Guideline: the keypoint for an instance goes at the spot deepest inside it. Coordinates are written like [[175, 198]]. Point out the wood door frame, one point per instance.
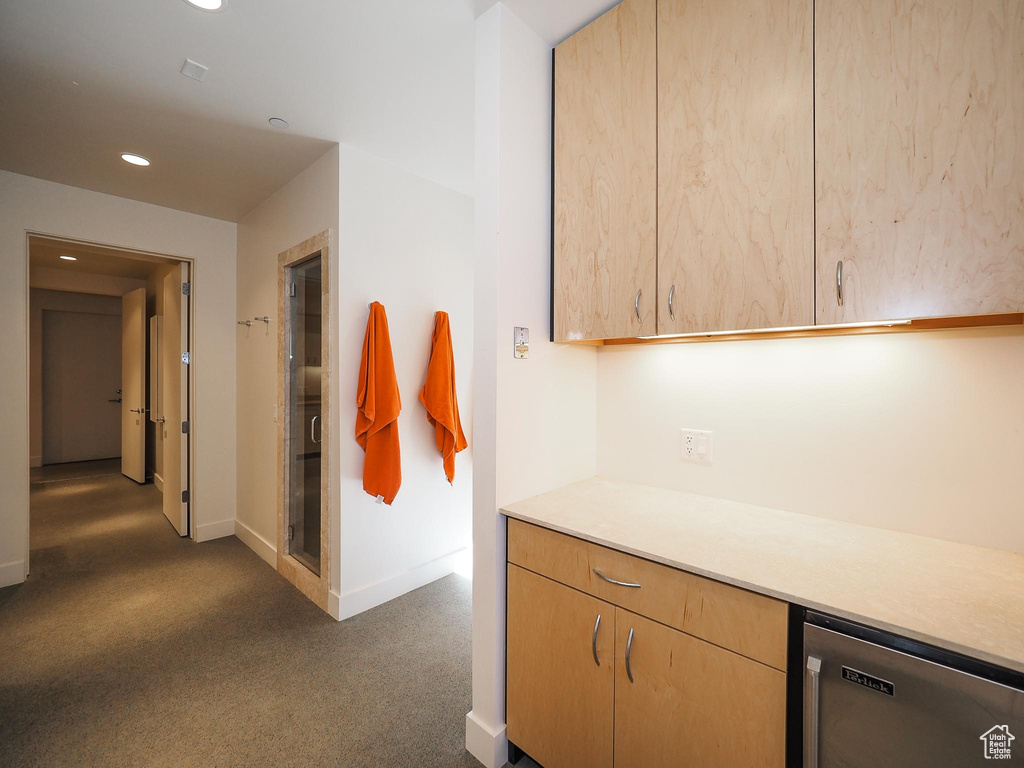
[[129, 252], [315, 587]]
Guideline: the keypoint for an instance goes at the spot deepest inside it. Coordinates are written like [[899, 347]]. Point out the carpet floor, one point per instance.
[[129, 646]]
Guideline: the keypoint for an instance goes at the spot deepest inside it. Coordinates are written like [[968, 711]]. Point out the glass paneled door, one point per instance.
[[303, 386]]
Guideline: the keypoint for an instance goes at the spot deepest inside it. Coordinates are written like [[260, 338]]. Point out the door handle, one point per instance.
[[139, 410], [839, 282], [115, 400], [636, 305], [629, 650], [671, 302], [593, 640], [312, 430], [616, 582], [814, 670]]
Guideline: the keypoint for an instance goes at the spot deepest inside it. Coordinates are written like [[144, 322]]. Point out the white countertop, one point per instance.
[[956, 596]]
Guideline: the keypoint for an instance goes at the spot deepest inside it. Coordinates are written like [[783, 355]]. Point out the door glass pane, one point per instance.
[[304, 389]]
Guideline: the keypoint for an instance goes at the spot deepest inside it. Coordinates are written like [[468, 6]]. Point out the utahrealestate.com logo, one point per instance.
[[997, 742]]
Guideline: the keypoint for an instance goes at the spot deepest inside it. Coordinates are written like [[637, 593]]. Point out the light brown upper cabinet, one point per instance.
[[920, 158], [735, 165], [605, 177]]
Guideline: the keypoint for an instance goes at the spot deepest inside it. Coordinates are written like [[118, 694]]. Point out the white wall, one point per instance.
[[916, 432], [407, 243], [304, 207], [28, 204], [534, 418]]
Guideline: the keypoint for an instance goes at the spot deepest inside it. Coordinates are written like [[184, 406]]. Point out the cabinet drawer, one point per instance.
[[749, 624]]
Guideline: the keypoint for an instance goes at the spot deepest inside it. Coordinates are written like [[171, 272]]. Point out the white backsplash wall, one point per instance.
[[917, 432]]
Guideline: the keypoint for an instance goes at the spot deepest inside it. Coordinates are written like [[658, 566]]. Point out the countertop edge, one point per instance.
[[903, 631]]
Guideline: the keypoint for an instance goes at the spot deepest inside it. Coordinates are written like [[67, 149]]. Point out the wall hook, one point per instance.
[[264, 319], [246, 323]]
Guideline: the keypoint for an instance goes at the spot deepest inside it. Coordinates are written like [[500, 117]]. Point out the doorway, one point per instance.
[[110, 367]]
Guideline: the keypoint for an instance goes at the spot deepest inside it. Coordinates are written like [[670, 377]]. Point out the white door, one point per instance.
[[133, 385], [81, 380], [174, 406]]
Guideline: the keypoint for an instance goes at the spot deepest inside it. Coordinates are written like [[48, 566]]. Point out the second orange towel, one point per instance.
[[379, 405], [438, 396]]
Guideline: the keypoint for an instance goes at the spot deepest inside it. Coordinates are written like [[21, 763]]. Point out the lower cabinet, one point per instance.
[[591, 684], [680, 701], [560, 686]]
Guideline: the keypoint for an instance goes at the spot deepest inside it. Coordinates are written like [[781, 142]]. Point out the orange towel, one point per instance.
[[438, 395], [379, 405]]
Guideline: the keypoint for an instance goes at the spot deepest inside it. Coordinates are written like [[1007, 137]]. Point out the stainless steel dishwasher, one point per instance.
[[875, 700]]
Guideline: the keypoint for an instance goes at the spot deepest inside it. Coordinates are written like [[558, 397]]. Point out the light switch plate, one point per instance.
[[697, 446], [521, 342]]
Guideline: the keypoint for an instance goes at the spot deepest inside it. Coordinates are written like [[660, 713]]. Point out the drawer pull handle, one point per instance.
[[671, 302], [636, 305], [593, 640], [631, 584], [629, 650]]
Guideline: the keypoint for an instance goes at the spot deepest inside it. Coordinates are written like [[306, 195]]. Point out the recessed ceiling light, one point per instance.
[[128, 157], [277, 122], [70, 258], [206, 5]]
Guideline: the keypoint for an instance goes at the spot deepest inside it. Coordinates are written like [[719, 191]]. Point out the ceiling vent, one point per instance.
[[194, 69]]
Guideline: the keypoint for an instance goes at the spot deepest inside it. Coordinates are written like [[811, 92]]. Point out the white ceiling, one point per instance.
[[393, 77], [555, 20], [45, 253]]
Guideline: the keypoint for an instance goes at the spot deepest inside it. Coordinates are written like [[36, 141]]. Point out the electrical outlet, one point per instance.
[[697, 446]]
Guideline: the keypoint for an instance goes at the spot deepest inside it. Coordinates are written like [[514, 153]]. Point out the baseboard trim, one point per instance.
[[12, 573], [158, 482], [486, 744], [218, 530], [255, 542], [346, 605]]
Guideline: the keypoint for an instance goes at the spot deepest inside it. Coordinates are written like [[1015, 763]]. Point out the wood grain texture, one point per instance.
[[693, 704], [559, 702], [735, 164], [744, 622], [315, 587], [605, 185], [919, 157]]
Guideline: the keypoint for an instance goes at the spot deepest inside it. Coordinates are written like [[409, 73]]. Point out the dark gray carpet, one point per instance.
[[129, 646]]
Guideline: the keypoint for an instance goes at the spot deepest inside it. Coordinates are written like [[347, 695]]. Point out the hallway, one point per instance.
[[130, 646]]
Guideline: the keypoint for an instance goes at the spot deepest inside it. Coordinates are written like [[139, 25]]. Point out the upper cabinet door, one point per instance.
[[605, 177], [735, 165], [919, 158]]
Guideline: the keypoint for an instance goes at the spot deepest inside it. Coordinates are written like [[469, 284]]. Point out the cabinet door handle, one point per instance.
[[593, 640], [312, 430], [671, 297], [631, 584], [629, 650], [839, 282], [636, 305], [814, 670]]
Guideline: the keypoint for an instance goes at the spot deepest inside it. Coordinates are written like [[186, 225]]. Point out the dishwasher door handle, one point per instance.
[[814, 671]]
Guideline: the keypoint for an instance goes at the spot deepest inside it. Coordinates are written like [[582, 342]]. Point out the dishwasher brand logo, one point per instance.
[[997, 742], [874, 683]]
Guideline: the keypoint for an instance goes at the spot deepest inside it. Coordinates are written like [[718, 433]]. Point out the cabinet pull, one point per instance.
[[636, 305], [631, 584], [593, 640], [839, 282], [629, 650], [671, 302], [814, 670]]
